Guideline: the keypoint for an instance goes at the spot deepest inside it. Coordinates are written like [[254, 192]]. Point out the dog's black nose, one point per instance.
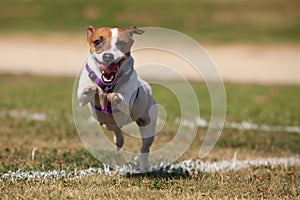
[[108, 57]]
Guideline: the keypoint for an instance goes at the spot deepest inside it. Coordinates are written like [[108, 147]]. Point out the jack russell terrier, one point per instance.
[[114, 92]]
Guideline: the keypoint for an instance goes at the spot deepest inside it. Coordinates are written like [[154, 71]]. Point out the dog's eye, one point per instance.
[[97, 42]]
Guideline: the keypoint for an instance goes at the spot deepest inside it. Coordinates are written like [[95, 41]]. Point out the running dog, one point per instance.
[[114, 92]]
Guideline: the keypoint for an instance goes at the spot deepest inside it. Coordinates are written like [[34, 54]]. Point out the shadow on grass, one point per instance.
[[158, 179], [159, 174]]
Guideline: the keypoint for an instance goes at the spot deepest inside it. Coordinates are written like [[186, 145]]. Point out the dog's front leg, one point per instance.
[[115, 98], [87, 94], [118, 137], [121, 101], [86, 89]]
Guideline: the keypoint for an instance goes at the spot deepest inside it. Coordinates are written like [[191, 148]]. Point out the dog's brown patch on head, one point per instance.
[[98, 39], [124, 41]]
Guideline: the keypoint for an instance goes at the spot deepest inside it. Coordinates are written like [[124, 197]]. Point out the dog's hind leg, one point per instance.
[[146, 143], [147, 128], [118, 138]]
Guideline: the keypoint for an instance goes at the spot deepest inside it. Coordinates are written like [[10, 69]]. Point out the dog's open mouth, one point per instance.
[[109, 71]]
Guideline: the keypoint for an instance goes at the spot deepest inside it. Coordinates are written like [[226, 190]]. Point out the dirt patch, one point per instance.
[[271, 64], [63, 55]]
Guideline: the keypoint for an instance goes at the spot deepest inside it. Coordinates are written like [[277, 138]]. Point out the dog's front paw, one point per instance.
[[90, 90], [114, 98]]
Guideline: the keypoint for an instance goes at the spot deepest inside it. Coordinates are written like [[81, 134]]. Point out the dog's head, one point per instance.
[[110, 47]]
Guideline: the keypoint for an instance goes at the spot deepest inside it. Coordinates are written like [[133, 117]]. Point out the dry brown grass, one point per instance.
[[252, 183]]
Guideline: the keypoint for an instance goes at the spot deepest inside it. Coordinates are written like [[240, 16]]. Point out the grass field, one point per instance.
[[36, 113], [37, 132], [206, 21]]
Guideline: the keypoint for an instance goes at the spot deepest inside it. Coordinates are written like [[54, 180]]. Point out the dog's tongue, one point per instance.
[[107, 70]]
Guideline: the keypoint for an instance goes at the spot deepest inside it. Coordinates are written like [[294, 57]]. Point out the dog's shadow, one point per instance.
[[159, 174]]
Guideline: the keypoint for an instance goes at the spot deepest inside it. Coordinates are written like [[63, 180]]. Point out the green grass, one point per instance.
[[273, 105], [214, 21], [59, 147]]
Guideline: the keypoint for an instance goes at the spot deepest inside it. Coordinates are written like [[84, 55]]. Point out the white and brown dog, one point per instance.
[[110, 86]]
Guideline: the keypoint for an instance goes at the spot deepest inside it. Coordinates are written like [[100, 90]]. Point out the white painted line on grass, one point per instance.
[[199, 122], [244, 125], [24, 114], [187, 167]]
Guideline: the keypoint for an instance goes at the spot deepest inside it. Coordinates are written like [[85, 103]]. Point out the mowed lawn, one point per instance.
[[36, 112]]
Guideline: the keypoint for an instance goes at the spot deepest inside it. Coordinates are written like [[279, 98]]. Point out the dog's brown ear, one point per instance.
[[134, 30], [89, 31]]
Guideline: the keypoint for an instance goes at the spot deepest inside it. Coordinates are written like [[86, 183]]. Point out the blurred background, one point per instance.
[[246, 38]]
